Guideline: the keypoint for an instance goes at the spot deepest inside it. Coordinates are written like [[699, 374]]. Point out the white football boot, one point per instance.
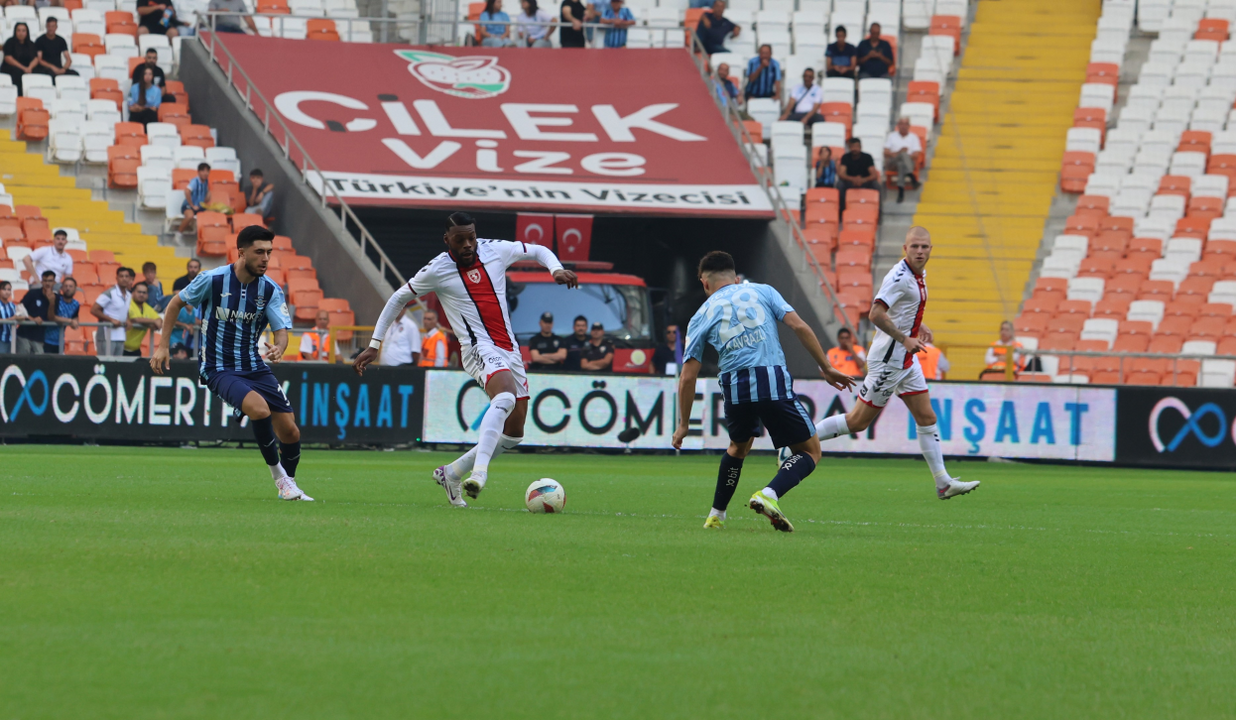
[[475, 483], [289, 491], [956, 487], [453, 487]]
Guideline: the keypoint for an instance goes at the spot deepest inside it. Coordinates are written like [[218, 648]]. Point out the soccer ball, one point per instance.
[[545, 496]]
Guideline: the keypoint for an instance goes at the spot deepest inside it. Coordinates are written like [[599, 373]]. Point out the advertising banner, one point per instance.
[[506, 128], [88, 398], [1177, 427], [982, 420]]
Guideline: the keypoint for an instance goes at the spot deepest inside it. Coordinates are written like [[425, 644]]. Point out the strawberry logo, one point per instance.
[[474, 77]]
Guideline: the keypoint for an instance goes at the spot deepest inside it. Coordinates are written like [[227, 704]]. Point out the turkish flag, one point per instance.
[[574, 236], [535, 229]]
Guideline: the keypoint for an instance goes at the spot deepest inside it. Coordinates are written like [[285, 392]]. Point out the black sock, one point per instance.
[[291, 457], [727, 481], [791, 473], [264, 431]]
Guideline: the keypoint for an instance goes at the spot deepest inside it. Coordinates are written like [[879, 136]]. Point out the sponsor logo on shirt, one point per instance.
[[227, 315]]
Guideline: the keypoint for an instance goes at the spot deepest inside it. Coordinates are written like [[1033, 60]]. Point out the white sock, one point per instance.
[[716, 513], [500, 408], [831, 427], [464, 463], [770, 493], [929, 443], [277, 472]]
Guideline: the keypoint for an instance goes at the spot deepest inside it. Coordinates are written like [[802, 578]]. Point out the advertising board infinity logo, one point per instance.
[[25, 399], [1192, 424]]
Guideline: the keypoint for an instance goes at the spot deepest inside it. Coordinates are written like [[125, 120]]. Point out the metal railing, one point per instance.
[[23, 322], [306, 165], [729, 109], [1067, 366]]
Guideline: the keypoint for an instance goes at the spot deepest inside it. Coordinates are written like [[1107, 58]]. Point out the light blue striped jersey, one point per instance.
[[740, 321], [234, 317], [7, 310]]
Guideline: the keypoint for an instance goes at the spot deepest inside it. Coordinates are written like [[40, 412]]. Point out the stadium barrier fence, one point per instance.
[[1067, 366]]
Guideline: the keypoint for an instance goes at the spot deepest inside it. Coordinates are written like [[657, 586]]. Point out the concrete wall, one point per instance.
[[343, 271]]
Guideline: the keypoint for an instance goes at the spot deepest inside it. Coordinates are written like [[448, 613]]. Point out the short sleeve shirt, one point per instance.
[[154, 21], [905, 296], [713, 38], [46, 258], [875, 67], [765, 85], [37, 306], [842, 54], [567, 35], [896, 142], [616, 37], [65, 309], [115, 305], [134, 335], [806, 98], [598, 352], [53, 49], [546, 346], [857, 166], [740, 321]]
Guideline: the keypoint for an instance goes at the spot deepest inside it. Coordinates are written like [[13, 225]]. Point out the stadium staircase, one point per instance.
[[995, 166]]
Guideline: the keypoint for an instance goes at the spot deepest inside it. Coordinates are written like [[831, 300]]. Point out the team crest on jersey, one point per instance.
[[474, 276]]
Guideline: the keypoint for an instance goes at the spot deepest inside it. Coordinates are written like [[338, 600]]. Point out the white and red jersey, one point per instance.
[[905, 296], [474, 297]]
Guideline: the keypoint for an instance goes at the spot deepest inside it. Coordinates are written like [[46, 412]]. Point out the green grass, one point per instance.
[[146, 583]]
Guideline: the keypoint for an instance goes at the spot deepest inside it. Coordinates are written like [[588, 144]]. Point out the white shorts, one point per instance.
[[883, 381], [482, 361]]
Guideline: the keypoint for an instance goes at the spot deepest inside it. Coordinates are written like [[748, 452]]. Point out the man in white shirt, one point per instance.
[[113, 307], [54, 258], [805, 101], [902, 150], [403, 343]]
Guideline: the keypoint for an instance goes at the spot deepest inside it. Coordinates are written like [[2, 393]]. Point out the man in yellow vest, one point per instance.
[[315, 343], [996, 354], [434, 351]]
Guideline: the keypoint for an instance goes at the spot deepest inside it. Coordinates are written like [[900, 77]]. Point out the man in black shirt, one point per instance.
[[53, 52], [714, 29], [856, 169], [157, 17], [875, 55], [193, 267], [152, 62], [548, 350], [39, 303], [666, 352], [575, 343], [599, 352]]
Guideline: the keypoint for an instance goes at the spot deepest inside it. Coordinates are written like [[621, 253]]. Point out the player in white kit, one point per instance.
[[893, 366], [470, 282]]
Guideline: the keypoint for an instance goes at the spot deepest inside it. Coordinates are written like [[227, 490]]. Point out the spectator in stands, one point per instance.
[[902, 150], [547, 349], [935, 365], [805, 101], [10, 313], [714, 29], [666, 353], [142, 319], [724, 86], [839, 58], [53, 257], [848, 357], [598, 354], [575, 343], [39, 302], [434, 348], [154, 288], [498, 32], [875, 55], [184, 333], [20, 55], [53, 52], [825, 168], [997, 354], [618, 18], [152, 64], [856, 170], [157, 17], [261, 195], [315, 343], [402, 344], [231, 23], [575, 14], [65, 313], [197, 194], [763, 75], [192, 268], [144, 100], [112, 306], [533, 25]]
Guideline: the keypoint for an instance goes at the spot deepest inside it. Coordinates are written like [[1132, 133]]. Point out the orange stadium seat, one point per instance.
[[1165, 345], [282, 242], [821, 236], [273, 7], [1095, 206], [1222, 310], [176, 89], [32, 119], [181, 177], [88, 44], [1156, 290], [1195, 141], [106, 89], [198, 135], [306, 302], [857, 238], [1221, 249], [1211, 29], [1176, 308], [1194, 227], [122, 173], [853, 258], [1050, 284], [1175, 185], [1131, 343], [321, 29], [925, 91]]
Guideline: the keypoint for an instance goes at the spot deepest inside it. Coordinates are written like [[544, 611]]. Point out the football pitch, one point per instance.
[[169, 583]]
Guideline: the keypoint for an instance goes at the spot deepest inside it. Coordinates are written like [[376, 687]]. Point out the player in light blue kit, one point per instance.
[[740, 321]]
